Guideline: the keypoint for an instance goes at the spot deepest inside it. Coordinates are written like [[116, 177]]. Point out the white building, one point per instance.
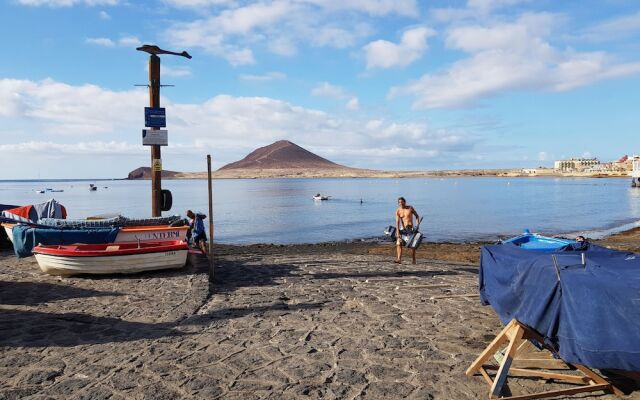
[[575, 164]]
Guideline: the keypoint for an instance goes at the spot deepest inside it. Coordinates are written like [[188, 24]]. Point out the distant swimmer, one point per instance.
[[404, 226]]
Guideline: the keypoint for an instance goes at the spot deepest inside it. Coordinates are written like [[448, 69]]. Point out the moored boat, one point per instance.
[[109, 258], [536, 242], [321, 197]]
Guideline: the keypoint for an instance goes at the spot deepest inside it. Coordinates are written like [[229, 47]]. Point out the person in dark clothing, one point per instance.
[[198, 233]]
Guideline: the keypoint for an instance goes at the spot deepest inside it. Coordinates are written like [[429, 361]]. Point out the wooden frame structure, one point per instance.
[[543, 365]]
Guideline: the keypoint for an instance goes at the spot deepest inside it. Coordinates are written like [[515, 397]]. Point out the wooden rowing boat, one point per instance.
[[110, 258]]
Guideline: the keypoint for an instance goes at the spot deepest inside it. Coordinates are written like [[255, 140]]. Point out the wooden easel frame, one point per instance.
[[517, 336]]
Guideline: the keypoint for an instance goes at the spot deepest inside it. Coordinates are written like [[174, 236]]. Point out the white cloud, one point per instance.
[[53, 119], [106, 42], [174, 71], [104, 15], [67, 3], [407, 8], [269, 76], [508, 57], [385, 54], [326, 89], [235, 29], [66, 110], [614, 29], [125, 41], [353, 104], [129, 41]]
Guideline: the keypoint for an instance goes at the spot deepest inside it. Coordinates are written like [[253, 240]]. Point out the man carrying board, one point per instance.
[[404, 226]]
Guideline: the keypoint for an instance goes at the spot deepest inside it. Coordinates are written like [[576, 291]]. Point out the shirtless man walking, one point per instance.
[[404, 218]]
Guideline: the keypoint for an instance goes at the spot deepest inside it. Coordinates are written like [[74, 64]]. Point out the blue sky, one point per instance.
[[386, 84]]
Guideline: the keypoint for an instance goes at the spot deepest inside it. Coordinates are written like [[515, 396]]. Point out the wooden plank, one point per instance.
[[539, 363], [557, 393], [486, 376], [489, 350], [550, 375], [598, 379], [503, 371]]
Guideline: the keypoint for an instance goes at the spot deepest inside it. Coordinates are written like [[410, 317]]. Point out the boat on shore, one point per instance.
[[535, 242], [111, 258]]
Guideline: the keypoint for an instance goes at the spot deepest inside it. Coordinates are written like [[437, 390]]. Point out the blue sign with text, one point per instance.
[[155, 117]]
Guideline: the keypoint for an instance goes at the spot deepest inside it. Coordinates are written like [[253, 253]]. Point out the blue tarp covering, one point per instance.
[[25, 238], [590, 315]]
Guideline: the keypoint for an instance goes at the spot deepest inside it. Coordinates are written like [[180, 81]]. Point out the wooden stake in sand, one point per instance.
[[210, 219]]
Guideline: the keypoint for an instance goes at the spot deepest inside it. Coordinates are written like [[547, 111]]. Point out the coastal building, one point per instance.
[[575, 164], [635, 173]]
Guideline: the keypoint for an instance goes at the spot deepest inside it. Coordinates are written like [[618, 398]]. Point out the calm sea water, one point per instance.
[[282, 210]]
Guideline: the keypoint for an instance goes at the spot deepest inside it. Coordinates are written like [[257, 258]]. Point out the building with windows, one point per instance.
[[576, 164]]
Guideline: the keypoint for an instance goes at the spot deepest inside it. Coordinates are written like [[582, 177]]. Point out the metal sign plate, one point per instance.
[[157, 165], [152, 137], [155, 117]]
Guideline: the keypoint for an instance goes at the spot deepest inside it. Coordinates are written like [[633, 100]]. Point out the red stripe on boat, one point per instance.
[[110, 249]]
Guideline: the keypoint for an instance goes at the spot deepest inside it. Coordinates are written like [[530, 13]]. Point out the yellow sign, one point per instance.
[[157, 165]]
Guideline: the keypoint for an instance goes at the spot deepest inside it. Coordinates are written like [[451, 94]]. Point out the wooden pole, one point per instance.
[[210, 219], [156, 159]]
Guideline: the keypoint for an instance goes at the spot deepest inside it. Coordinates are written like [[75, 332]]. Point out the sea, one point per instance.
[[282, 211]]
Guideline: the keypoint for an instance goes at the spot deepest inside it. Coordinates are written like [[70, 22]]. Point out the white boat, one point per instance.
[[321, 197], [151, 233], [110, 258], [133, 233]]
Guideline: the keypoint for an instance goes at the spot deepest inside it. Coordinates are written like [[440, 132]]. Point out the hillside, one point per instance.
[[281, 155]]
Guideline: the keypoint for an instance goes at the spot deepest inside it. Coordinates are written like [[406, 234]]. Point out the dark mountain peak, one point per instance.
[[145, 173], [282, 154]]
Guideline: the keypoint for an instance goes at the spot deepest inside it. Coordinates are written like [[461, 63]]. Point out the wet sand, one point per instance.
[[329, 321]]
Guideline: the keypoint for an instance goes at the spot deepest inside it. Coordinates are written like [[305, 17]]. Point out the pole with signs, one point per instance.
[[210, 219], [156, 159], [155, 119]]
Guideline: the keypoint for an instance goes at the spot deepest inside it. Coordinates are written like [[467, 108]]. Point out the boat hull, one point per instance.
[[63, 260], [8, 228], [151, 233]]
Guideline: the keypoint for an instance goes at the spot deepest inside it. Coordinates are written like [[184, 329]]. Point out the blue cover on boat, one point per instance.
[[25, 238], [590, 315]]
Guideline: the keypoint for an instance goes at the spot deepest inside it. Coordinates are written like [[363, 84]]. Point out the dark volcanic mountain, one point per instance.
[[282, 155], [145, 173]]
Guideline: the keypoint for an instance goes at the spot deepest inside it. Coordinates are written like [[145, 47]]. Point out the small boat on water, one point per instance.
[[92, 187], [111, 258], [535, 242], [320, 197], [39, 191]]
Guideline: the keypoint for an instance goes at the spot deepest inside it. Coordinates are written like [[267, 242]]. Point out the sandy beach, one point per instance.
[[328, 321]]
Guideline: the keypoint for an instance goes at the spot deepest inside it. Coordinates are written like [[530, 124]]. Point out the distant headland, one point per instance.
[[285, 159]]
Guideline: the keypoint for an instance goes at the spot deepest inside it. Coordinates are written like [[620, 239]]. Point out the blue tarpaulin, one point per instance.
[[25, 238], [589, 313]]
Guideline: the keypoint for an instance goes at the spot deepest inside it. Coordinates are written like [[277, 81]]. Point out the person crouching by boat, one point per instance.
[[198, 234], [404, 226]]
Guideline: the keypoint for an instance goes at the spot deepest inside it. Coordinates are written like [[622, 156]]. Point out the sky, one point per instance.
[[383, 84]]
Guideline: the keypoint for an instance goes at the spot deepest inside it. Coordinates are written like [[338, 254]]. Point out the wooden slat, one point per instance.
[[503, 371], [490, 350], [557, 393]]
